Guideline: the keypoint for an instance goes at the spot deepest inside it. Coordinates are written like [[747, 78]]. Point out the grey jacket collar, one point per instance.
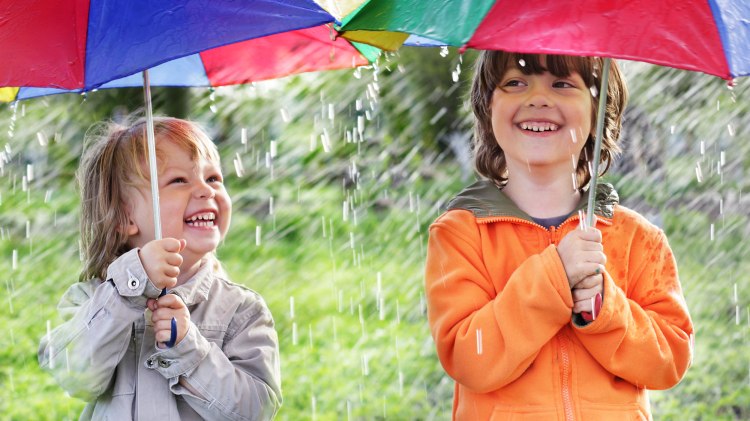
[[196, 289], [485, 200]]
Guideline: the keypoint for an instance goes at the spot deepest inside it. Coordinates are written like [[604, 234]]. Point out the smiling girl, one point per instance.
[[110, 351], [534, 317]]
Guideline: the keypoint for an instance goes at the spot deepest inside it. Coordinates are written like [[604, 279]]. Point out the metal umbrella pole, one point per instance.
[[151, 140], [598, 142]]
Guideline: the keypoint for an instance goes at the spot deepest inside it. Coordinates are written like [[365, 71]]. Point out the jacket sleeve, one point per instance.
[[644, 334], [239, 381], [82, 353], [487, 335]]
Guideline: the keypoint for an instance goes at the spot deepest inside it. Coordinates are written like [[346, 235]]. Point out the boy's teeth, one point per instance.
[[539, 127]]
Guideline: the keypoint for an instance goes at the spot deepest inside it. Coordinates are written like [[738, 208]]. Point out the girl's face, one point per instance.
[[541, 120], [195, 206]]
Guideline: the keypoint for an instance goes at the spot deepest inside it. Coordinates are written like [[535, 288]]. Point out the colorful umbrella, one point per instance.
[[710, 36], [261, 58]]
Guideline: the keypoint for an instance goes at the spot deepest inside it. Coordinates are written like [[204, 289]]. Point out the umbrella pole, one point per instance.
[[598, 142], [155, 185], [152, 155]]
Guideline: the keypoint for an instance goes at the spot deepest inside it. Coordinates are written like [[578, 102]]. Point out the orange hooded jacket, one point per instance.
[[499, 308]]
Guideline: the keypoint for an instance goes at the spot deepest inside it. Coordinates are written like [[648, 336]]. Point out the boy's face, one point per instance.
[[534, 118], [194, 204]]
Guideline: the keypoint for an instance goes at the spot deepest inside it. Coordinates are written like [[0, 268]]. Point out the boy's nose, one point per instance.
[[538, 97]]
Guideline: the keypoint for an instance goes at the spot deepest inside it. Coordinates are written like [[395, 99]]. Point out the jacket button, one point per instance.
[[150, 363], [133, 282]]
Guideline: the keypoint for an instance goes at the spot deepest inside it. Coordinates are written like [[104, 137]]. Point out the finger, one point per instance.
[[151, 304], [590, 282], [171, 271], [174, 259], [183, 243], [591, 234], [171, 245], [162, 335], [171, 301], [585, 294], [163, 324], [582, 306]]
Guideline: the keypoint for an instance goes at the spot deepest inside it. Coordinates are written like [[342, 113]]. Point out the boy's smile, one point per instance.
[[541, 120], [194, 204]]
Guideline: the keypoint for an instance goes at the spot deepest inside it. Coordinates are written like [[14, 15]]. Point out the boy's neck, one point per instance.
[[542, 196]]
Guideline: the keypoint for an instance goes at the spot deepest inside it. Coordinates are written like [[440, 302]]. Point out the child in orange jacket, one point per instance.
[[511, 277]]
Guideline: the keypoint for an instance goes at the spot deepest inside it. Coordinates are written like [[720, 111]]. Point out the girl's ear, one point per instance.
[[131, 228]]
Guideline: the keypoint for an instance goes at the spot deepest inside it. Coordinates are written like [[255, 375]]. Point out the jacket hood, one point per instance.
[[485, 200]]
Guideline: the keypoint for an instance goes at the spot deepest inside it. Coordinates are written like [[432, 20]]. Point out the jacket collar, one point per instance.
[[196, 289], [485, 200]]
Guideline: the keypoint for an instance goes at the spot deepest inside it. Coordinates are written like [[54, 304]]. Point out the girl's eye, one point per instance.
[[178, 180], [214, 179]]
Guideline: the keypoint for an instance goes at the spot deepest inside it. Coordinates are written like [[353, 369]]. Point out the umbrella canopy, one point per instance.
[[91, 44], [269, 57], [82, 44], [710, 36]]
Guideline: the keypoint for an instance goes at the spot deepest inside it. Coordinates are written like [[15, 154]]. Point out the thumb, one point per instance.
[[183, 243]]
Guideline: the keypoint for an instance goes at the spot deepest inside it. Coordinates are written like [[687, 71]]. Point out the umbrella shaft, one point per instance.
[[598, 142], [152, 155]]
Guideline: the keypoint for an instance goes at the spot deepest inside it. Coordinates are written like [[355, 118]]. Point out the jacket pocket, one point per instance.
[[614, 412], [524, 413]]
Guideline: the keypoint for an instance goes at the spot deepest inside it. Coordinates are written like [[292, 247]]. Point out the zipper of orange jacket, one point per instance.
[[565, 377]]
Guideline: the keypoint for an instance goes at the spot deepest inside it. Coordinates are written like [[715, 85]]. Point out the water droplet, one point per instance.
[[479, 341], [444, 51], [522, 62], [594, 91], [284, 115], [730, 129], [698, 172], [257, 235]]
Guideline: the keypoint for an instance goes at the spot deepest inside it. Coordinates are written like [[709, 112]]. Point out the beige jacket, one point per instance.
[[105, 354]]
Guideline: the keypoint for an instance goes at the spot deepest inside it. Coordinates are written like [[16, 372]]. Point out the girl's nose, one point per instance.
[[204, 191]]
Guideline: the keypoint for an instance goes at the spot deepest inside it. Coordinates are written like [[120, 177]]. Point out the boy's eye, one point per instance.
[[178, 180], [562, 84], [214, 179], [513, 83]]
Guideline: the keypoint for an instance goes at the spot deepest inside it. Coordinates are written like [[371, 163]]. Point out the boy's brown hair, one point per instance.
[[489, 159], [115, 158]]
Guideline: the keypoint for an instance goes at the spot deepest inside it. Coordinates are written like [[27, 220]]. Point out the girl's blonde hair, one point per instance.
[[116, 157], [489, 159]]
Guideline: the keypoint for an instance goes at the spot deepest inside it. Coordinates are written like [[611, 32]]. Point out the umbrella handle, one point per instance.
[[173, 327], [602, 110]]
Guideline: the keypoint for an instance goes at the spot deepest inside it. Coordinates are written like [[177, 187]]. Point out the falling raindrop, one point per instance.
[[14, 261], [257, 235], [711, 234], [325, 140], [479, 341], [294, 333], [730, 129], [274, 149], [698, 172], [313, 408], [522, 62], [437, 115], [238, 168], [444, 51], [703, 148], [594, 91], [365, 365], [42, 138], [284, 115]]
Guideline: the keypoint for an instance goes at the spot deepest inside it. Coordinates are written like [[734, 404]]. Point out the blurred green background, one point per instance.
[[343, 216]]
